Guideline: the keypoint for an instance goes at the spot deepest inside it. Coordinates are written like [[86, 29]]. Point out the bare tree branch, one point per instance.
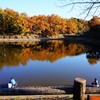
[[91, 6], [75, 3], [89, 9], [96, 10]]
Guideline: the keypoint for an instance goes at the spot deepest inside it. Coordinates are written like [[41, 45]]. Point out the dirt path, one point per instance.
[[37, 97]]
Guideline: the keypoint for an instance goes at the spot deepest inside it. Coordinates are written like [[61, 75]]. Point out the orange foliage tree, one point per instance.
[[45, 26]]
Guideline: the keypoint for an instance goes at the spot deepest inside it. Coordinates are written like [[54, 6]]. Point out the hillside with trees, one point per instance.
[[14, 23], [11, 22]]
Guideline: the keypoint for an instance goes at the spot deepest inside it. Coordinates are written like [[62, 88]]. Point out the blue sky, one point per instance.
[[40, 7]]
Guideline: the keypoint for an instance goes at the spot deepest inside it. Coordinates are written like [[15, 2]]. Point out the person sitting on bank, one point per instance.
[[12, 83], [95, 83]]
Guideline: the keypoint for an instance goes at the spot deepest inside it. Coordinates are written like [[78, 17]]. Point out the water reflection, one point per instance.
[[17, 53], [14, 54], [48, 63], [93, 56]]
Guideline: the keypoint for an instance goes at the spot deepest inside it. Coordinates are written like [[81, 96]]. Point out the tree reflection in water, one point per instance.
[[19, 53], [93, 56]]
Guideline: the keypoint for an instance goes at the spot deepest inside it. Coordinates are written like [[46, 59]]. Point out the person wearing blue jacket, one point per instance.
[[13, 83]]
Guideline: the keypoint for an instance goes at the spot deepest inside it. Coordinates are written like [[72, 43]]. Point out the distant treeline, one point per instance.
[[13, 23]]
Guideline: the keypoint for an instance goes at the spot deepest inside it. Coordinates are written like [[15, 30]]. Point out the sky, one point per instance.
[[40, 7]]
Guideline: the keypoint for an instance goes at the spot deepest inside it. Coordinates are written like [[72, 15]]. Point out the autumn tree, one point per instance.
[[26, 23], [11, 22], [10, 19], [94, 25], [57, 25], [48, 25], [2, 21], [72, 26], [39, 24]]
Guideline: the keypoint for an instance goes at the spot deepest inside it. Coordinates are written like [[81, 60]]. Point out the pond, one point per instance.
[[48, 63]]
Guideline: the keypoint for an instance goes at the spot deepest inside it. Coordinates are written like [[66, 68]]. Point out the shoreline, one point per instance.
[[44, 93], [75, 39], [45, 90]]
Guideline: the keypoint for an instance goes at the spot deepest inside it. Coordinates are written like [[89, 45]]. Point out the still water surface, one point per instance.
[[48, 63]]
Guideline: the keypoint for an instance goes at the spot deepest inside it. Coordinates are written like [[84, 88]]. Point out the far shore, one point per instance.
[[31, 39]]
